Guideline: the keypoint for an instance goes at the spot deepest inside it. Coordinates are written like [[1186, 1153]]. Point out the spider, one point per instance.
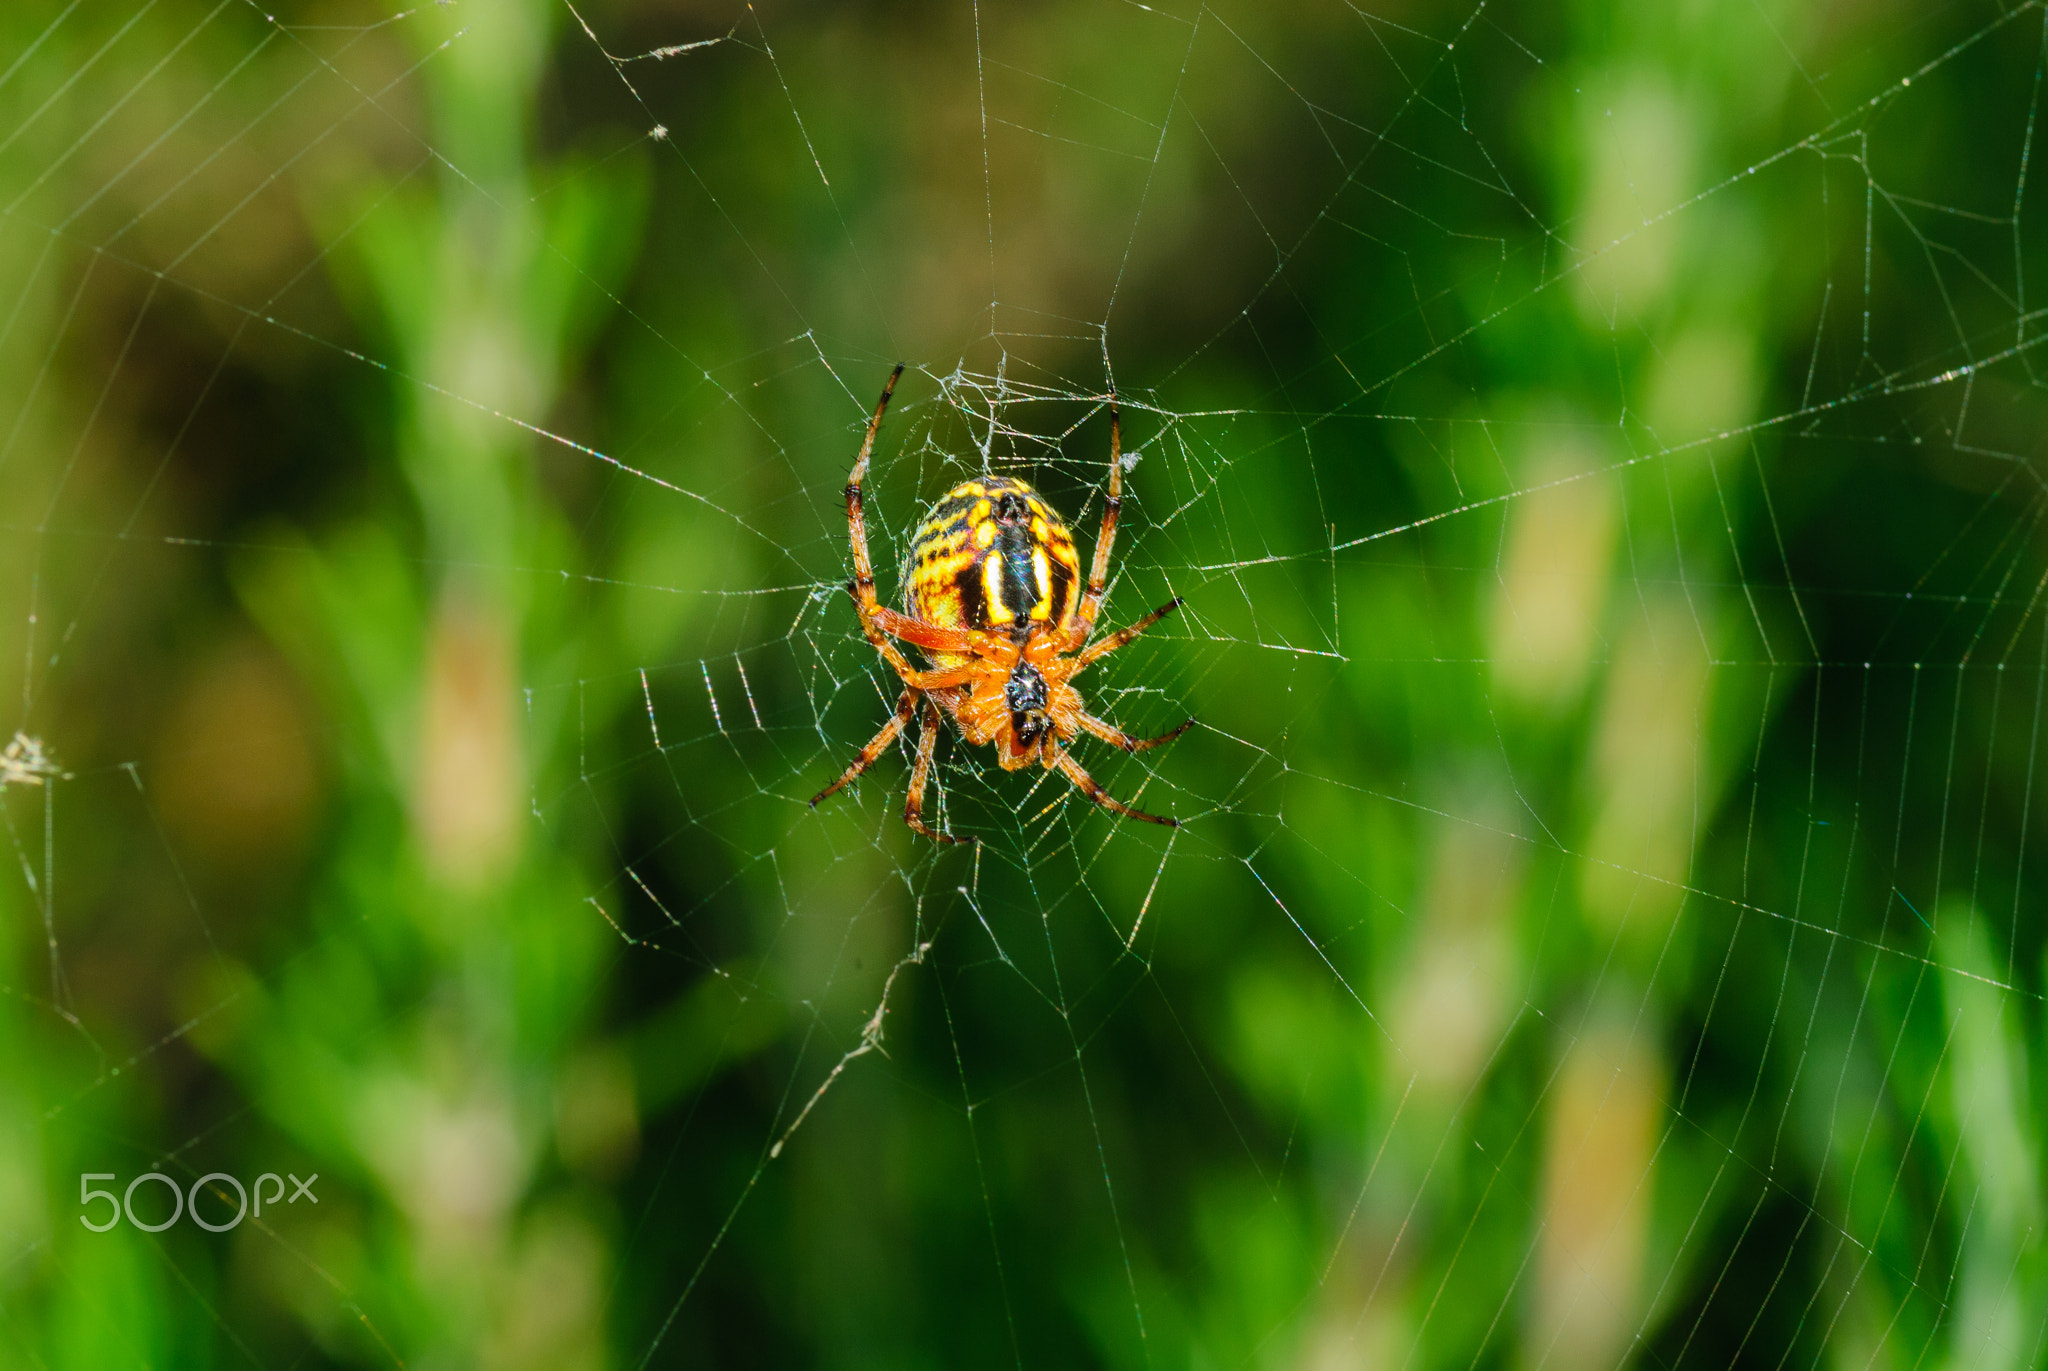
[[991, 603]]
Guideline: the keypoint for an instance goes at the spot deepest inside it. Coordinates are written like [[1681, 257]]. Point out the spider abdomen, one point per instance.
[[992, 555]]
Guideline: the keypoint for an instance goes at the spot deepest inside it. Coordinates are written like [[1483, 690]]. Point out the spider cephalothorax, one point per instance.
[[1027, 696], [991, 602]]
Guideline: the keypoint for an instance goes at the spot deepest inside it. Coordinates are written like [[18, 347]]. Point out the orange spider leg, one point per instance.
[[913, 804], [856, 521], [1116, 737], [862, 587], [1112, 506], [875, 619], [945, 678], [1097, 651], [930, 637], [1058, 759], [874, 747]]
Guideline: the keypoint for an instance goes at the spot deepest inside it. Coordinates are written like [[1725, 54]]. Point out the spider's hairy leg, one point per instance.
[[943, 679], [875, 621], [930, 637], [879, 623], [1112, 506], [1071, 769], [913, 803], [856, 519], [1116, 737], [862, 587], [874, 748], [1098, 650]]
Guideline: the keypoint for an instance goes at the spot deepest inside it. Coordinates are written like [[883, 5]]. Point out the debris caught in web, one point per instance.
[[23, 762]]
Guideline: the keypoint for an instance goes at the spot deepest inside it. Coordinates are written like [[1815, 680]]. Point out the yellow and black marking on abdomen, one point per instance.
[[993, 555]]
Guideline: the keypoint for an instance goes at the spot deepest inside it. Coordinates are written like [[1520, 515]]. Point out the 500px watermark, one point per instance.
[[186, 1202]]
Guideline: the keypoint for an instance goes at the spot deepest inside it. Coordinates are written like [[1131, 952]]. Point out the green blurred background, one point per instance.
[[1600, 447]]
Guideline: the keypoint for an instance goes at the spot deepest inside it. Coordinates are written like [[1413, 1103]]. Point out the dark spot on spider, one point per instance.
[[1011, 509], [1026, 689], [1026, 695]]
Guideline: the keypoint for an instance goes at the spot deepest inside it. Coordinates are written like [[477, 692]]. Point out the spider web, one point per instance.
[[1597, 457]]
